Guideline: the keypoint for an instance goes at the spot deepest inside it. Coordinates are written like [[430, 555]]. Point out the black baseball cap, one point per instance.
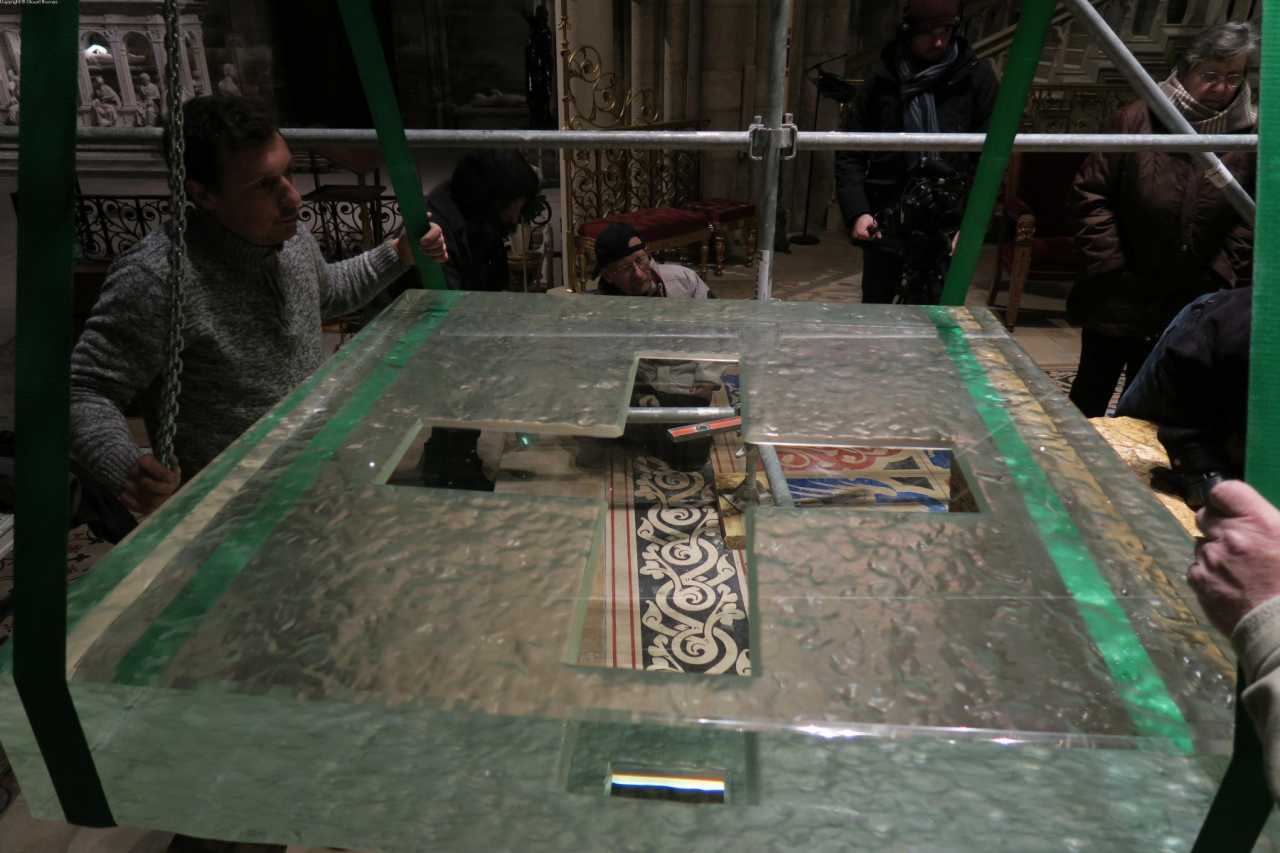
[[613, 244]]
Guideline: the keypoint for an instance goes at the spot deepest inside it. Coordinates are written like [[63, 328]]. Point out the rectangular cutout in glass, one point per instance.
[[680, 785], [694, 764]]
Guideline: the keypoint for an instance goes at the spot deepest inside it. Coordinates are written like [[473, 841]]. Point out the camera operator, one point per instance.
[[928, 81]]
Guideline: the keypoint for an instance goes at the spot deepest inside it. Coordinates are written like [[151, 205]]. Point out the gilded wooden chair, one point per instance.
[[1043, 247], [648, 188]]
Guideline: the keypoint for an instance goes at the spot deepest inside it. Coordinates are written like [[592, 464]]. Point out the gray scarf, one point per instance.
[[1238, 116], [919, 110]]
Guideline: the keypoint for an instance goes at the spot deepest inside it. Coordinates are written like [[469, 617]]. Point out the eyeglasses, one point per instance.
[[639, 264], [1213, 78]]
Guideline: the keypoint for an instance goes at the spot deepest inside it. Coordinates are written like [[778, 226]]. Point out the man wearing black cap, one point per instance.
[[928, 81], [625, 268]]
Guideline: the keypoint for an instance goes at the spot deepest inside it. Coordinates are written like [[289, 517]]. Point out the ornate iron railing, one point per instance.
[[107, 226]]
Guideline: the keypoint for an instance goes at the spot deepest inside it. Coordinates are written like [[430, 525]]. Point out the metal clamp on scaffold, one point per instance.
[[787, 136], [757, 138], [761, 138]]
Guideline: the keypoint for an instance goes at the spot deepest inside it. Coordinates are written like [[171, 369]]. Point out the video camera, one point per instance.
[[920, 229]]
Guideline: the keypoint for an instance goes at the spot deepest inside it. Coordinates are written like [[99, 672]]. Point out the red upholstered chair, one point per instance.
[[661, 227], [727, 216], [1043, 247]]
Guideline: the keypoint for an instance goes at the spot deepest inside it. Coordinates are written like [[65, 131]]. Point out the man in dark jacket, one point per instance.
[[491, 191], [928, 81], [1153, 232], [1203, 377]]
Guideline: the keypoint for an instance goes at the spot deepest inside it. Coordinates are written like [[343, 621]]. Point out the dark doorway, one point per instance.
[[315, 66]]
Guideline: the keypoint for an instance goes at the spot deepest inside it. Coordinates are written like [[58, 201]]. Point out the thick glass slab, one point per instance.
[[295, 650]]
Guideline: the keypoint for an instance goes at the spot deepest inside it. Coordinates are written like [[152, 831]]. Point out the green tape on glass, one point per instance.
[[362, 32], [147, 659], [125, 557], [1019, 73], [1153, 710]]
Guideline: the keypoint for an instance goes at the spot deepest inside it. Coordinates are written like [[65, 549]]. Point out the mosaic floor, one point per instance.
[[1063, 377], [668, 595], [83, 550]]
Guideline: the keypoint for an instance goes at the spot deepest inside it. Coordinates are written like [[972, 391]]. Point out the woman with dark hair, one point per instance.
[[490, 193], [1153, 230]]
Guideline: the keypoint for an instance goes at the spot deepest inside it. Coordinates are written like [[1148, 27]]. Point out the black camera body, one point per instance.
[[920, 228]]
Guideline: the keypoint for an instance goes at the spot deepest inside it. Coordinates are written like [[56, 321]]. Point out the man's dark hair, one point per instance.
[[488, 180], [214, 123]]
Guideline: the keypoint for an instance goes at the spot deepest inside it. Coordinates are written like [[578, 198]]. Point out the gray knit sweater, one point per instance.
[[252, 333]]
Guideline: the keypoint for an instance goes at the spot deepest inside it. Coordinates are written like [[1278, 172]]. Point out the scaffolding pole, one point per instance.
[[728, 140], [1159, 103], [777, 477], [780, 17]]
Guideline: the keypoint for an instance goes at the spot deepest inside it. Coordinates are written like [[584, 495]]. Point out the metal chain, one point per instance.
[[177, 233]]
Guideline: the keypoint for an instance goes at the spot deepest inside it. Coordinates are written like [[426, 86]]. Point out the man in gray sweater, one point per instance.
[[1236, 576], [257, 292]]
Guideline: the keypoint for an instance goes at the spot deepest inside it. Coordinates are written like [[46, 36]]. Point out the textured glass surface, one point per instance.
[[292, 651]]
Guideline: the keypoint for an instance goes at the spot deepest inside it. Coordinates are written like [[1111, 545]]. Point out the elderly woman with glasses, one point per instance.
[[1153, 231]]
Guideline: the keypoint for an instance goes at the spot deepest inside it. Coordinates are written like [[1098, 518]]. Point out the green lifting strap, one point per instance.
[[362, 32], [1019, 73], [46, 236], [1243, 803], [1262, 463]]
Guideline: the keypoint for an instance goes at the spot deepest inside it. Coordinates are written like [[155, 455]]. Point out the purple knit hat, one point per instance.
[[921, 16]]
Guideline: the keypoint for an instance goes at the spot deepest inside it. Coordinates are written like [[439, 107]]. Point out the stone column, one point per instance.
[[156, 37], [5, 72], [827, 22], [693, 70], [188, 84], [645, 17], [728, 49], [120, 55], [675, 59], [86, 81], [202, 64], [157, 50]]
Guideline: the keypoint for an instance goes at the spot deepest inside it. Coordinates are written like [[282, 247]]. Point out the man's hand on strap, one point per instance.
[[149, 485], [432, 245], [1237, 563]]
